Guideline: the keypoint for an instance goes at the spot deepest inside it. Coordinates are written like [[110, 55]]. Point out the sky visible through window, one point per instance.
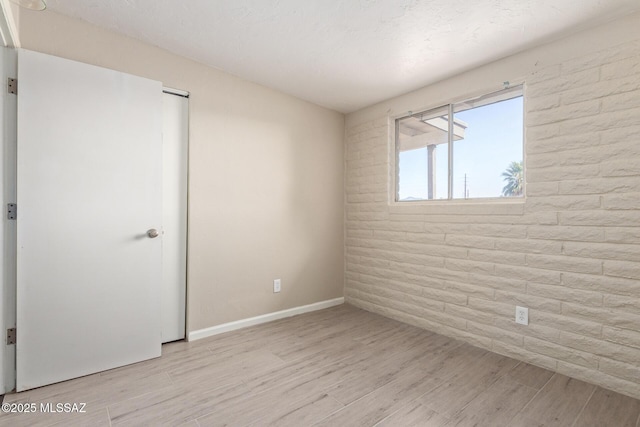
[[493, 139]]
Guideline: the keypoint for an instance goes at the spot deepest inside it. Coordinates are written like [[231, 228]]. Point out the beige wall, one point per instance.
[[265, 181], [570, 251]]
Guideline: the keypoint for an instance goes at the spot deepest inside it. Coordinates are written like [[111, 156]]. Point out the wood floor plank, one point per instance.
[[286, 412], [609, 409], [471, 376], [529, 375], [496, 406], [415, 414], [385, 366], [289, 371], [384, 401], [224, 370], [557, 404], [278, 400], [171, 407]]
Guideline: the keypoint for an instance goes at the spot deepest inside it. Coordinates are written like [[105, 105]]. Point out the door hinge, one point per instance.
[[11, 336], [12, 86], [12, 211]]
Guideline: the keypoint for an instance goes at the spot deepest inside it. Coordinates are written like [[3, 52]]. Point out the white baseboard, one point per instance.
[[239, 324]]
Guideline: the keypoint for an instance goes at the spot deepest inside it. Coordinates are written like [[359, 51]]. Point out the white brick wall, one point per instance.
[[570, 252]]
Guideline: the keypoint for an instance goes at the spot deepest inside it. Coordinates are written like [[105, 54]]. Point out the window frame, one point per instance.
[[450, 107]]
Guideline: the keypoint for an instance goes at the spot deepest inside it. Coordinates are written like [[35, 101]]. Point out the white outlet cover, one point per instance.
[[522, 315], [276, 285]]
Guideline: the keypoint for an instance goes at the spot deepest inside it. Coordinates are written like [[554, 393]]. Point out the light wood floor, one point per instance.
[[337, 367]]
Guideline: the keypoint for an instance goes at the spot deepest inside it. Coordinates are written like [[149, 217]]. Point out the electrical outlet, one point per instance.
[[522, 315], [276, 285]]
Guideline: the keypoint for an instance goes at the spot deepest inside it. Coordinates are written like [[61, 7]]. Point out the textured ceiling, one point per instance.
[[344, 54]]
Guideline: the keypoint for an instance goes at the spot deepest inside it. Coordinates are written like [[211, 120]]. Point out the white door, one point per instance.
[[89, 189], [175, 134]]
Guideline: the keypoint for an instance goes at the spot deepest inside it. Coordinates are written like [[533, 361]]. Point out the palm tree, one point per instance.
[[514, 179]]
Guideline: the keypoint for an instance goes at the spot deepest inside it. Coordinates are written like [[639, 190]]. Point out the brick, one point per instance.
[[542, 103], [470, 266], [558, 232], [415, 300], [599, 347], [468, 313], [624, 201], [617, 302], [627, 167], [467, 241], [600, 218], [427, 237], [503, 283], [493, 307], [608, 148], [620, 369], [445, 296], [530, 245], [469, 289], [359, 233], [629, 270], [562, 203], [622, 336], [497, 256], [561, 173], [524, 300], [537, 133], [393, 216], [603, 251], [565, 112], [528, 274], [622, 101], [602, 121], [564, 263], [496, 230], [425, 280], [613, 285], [622, 234], [605, 316], [601, 89], [628, 135], [495, 333], [541, 188], [360, 198], [557, 142], [622, 68], [445, 274], [599, 186], [563, 293], [407, 267], [564, 323], [560, 352]]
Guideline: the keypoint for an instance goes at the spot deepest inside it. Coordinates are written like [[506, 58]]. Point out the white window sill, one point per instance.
[[495, 206]]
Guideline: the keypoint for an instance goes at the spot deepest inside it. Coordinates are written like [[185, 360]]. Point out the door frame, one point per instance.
[[8, 249], [184, 94]]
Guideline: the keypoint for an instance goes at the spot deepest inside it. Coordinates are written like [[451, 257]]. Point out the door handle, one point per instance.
[[153, 233]]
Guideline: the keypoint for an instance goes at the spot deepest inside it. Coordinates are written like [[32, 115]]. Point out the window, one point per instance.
[[478, 154]]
